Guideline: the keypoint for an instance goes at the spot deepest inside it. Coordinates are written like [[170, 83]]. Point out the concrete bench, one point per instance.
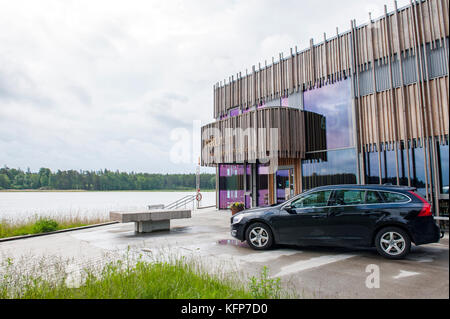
[[150, 220], [157, 206]]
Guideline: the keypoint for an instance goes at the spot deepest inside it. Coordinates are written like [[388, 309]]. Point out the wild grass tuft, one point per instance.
[[264, 287]]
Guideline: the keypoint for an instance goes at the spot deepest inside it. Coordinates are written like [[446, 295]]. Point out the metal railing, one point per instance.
[[182, 202]]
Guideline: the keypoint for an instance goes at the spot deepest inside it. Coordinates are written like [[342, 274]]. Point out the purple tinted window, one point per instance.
[[334, 102], [263, 185], [231, 185], [224, 170], [284, 101], [283, 172], [234, 112], [263, 197], [228, 197], [263, 169]]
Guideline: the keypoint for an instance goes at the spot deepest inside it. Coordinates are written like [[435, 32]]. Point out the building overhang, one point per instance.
[[262, 134]]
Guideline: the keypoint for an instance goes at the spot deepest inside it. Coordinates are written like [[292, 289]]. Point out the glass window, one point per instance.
[[349, 197], [443, 166], [394, 197], [234, 112], [418, 179], [372, 169], [416, 166], [231, 184], [373, 197], [334, 102], [282, 182], [317, 199], [263, 184], [389, 166], [329, 168], [403, 163]]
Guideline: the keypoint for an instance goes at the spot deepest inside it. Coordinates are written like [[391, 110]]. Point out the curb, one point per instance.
[[55, 232], [206, 207]]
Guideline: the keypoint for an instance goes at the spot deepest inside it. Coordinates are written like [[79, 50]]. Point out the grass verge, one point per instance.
[[38, 225], [141, 280]]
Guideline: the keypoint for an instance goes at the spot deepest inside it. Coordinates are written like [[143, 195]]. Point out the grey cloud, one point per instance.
[[176, 97], [81, 94], [17, 86]]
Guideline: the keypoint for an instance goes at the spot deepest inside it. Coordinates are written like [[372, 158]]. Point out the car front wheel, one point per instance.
[[393, 243], [259, 236]]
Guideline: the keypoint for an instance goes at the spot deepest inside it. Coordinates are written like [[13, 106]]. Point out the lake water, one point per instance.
[[22, 205]]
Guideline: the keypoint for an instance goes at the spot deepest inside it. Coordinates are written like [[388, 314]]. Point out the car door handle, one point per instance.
[[318, 216]]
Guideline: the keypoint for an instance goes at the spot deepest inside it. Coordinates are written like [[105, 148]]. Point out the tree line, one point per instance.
[[103, 180]]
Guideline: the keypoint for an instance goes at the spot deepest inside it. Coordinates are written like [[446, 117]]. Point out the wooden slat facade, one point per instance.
[[418, 110], [252, 136], [326, 62]]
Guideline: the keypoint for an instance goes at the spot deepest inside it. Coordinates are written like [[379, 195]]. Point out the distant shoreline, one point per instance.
[[92, 191]]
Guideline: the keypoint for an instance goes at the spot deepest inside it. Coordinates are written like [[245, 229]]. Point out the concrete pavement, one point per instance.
[[312, 272]]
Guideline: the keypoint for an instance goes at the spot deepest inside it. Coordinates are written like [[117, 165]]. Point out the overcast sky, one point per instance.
[[102, 84]]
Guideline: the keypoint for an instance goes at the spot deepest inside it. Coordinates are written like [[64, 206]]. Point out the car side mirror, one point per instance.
[[289, 209]]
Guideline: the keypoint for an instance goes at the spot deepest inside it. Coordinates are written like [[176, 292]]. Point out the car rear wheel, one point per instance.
[[393, 243], [259, 236]]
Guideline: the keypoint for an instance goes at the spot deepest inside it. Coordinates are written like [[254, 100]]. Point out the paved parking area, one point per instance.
[[312, 272]]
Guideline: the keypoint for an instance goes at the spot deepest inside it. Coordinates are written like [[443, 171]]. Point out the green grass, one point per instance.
[[37, 225], [143, 280]]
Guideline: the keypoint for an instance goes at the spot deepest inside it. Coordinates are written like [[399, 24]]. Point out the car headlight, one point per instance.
[[237, 219]]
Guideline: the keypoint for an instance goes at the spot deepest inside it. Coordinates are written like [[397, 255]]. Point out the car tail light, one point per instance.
[[426, 208]]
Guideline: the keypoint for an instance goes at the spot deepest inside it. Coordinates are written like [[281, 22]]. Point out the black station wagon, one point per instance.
[[387, 217]]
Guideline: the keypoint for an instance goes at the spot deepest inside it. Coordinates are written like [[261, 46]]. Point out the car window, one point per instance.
[[394, 197], [317, 199], [348, 197], [373, 197]]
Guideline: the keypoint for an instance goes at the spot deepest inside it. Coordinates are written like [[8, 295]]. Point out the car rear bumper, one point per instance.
[[425, 230]]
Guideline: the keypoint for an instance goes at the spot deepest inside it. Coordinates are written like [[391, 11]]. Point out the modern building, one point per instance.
[[367, 106]]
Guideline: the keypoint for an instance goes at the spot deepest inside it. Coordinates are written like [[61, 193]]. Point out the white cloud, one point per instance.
[[100, 84]]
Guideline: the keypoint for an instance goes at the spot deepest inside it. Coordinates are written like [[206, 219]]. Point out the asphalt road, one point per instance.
[[307, 272]]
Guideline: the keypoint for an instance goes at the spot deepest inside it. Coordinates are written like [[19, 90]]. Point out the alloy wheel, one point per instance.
[[392, 243], [259, 237]]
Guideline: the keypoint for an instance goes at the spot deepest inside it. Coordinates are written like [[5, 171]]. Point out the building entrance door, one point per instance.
[[284, 181]]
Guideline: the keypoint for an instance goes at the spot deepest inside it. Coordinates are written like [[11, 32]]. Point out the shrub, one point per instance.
[[44, 225]]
